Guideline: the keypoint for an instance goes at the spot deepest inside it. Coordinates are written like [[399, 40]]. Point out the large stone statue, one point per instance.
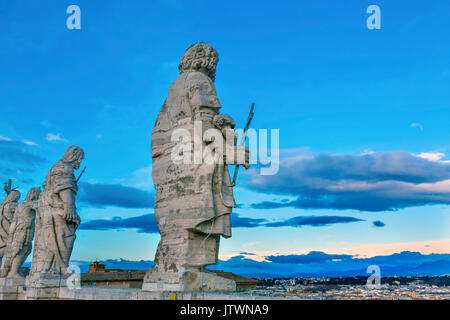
[[7, 209], [194, 199], [57, 218], [21, 233]]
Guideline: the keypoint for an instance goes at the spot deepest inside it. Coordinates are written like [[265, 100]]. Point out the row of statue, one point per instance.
[[193, 201], [49, 214]]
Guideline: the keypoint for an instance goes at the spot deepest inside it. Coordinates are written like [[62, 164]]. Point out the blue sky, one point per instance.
[[363, 116]]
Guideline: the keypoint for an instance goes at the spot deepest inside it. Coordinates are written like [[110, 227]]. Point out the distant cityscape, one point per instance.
[[355, 288]]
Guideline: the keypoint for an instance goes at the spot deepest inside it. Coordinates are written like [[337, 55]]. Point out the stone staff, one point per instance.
[[244, 135]]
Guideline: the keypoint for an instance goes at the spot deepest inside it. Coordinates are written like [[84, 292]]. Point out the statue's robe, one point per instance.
[[21, 234], [6, 217], [54, 235], [194, 197]]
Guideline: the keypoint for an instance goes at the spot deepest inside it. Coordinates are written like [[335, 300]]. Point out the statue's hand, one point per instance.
[[69, 213], [77, 219]]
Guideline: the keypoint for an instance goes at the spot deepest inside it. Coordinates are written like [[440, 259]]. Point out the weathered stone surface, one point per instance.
[[56, 222], [12, 288], [7, 209], [194, 199], [93, 293], [21, 233]]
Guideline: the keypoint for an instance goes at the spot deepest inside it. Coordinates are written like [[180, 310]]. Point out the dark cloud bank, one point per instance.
[[331, 265], [16, 152], [17, 160], [101, 195], [147, 224], [372, 182]]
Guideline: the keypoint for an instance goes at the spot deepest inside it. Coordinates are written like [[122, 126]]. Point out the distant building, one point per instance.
[[99, 276]]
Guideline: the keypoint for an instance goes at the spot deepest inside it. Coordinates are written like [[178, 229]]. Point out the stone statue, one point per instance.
[[194, 199], [7, 209], [57, 218], [21, 233]]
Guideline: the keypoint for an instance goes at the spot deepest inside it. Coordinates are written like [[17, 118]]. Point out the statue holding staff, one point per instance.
[[57, 218], [194, 198]]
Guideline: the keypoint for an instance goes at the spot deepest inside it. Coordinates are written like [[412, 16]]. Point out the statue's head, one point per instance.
[[73, 155], [13, 196], [200, 57], [33, 194]]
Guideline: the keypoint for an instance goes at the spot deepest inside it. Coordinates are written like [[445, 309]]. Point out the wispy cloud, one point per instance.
[[2, 138], [55, 137], [30, 143], [417, 125], [313, 221]]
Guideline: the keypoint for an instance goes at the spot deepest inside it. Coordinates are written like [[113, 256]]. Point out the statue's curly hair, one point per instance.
[[199, 56], [73, 153]]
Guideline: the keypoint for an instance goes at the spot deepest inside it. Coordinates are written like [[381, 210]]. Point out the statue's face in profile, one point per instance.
[[76, 163]]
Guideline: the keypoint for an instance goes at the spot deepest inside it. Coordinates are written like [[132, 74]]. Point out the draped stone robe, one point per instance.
[[21, 234], [55, 236], [193, 197], [6, 217]]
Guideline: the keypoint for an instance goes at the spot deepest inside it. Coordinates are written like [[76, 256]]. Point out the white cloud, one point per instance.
[[5, 138], [55, 137], [30, 143], [417, 125], [433, 156]]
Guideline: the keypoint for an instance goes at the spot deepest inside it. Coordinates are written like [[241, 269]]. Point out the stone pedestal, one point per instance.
[[12, 288], [204, 281], [45, 286]]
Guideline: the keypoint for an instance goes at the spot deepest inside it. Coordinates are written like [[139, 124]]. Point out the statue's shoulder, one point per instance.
[[200, 83], [61, 176], [61, 169], [198, 77]]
